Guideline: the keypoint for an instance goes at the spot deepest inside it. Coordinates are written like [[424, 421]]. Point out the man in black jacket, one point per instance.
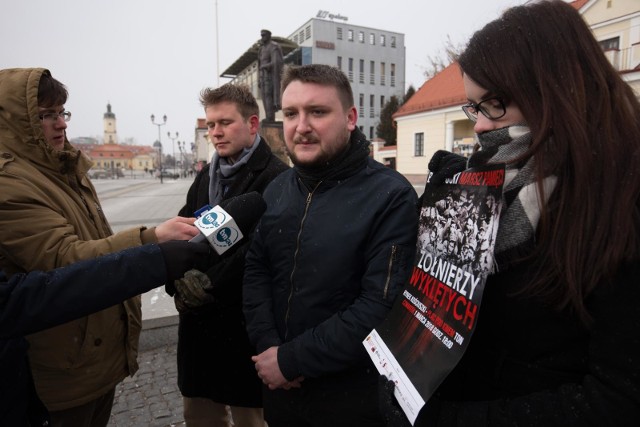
[[36, 301], [328, 259], [214, 353]]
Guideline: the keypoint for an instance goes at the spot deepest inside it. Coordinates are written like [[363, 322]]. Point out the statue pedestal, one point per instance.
[[272, 132]]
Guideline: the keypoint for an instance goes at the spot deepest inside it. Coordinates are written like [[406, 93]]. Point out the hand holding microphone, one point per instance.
[[223, 227]]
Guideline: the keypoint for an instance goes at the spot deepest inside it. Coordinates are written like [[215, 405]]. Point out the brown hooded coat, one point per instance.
[[50, 216]]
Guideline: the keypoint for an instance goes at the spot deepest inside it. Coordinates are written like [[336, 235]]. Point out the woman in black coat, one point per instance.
[[557, 342]]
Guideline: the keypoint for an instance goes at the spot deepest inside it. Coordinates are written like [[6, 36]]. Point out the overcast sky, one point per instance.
[[153, 57]]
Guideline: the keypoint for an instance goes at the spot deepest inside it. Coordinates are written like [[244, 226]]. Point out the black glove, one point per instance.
[[444, 165], [181, 256], [192, 291], [389, 407]]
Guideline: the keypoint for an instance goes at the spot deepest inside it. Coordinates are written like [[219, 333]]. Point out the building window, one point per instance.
[[301, 36], [350, 74], [372, 39], [339, 36], [393, 41], [361, 105], [383, 40], [381, 102], [372, 109], [610, 44], [418, 145], [383, 73], [372, 72], [611, 49], [350, 35], [307, 33], [392, 72], [340, 63], [361, 36], [361, 71]]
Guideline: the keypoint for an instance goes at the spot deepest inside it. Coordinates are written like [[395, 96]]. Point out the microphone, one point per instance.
[[224, 225]]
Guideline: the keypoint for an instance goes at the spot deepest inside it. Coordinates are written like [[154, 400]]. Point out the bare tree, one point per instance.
[[440, 61]]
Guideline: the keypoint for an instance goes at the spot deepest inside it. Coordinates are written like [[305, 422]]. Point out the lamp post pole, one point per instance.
[[173, 146], [158, 146], [164, 122], [187, 161], [181, 161]]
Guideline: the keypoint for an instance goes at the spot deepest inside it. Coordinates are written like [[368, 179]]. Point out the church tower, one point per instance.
[[110, 135]]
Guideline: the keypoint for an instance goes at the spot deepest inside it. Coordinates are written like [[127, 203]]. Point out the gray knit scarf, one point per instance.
[[520, 202], [222, 173]]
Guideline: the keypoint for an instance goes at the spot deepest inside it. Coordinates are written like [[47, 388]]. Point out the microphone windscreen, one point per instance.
[[246, 209]]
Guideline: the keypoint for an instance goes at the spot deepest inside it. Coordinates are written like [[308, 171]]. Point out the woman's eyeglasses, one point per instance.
[[491, 108]]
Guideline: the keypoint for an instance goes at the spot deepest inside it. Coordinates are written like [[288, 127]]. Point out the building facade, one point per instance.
[[203, 149], [373, 59], [432, 119]]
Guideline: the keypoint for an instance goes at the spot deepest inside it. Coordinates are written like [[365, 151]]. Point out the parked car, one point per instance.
[[105, 173], [99, 174], [168, 174]]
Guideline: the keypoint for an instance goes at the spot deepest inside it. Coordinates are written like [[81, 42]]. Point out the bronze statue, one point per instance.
[[270, 69]]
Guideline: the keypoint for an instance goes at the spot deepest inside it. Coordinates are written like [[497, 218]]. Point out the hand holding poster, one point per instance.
[[429, 327]]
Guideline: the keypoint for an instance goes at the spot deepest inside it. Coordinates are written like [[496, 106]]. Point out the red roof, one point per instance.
[[578, 3], [114, 150], [445, 89]]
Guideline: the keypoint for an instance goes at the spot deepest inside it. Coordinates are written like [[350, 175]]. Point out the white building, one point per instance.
[[373, 59]]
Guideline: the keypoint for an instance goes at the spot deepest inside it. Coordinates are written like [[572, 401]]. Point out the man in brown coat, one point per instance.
[[50, 217]]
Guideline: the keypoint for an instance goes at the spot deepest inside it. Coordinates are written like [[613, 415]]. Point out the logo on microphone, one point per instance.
[[213, 220], [226, 237], [220, 229]]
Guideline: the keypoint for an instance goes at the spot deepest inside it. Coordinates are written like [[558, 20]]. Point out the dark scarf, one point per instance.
[[222, 173], [340, 167], [520, 204]]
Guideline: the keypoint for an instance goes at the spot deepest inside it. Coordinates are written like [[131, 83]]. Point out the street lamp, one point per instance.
[[173, 140], [159, 142]]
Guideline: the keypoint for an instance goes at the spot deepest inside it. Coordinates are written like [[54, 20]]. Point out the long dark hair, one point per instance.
[[584, 121]]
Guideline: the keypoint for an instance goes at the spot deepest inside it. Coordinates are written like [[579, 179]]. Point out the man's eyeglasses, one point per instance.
[[491, 108], [53, 117]]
